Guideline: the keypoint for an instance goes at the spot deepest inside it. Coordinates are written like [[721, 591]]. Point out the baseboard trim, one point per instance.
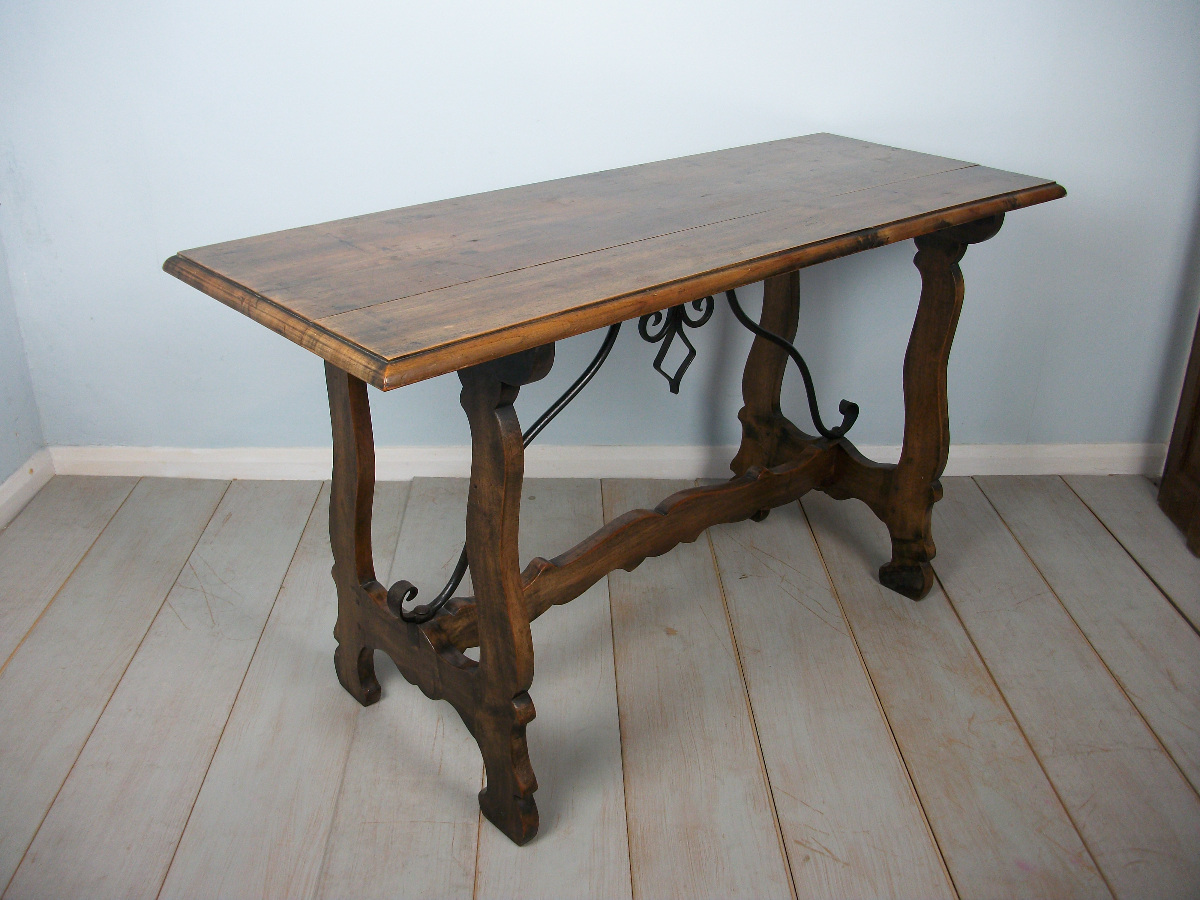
[[549, 461], [20, 487]]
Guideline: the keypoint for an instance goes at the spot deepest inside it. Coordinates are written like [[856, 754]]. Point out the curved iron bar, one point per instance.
[[848, 410], [403, 592], [573, 391], [673, 321]]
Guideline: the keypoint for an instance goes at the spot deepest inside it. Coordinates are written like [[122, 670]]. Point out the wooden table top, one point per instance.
[[399, 296]]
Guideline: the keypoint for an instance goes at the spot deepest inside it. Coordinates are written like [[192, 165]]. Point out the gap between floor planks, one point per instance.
[[1130, 803], [61, 677], [747, 664], [407, 746], [1151, 650], [135, 780]]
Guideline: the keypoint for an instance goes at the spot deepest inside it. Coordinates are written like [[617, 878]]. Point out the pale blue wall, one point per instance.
[[131, 130], [20, 430]]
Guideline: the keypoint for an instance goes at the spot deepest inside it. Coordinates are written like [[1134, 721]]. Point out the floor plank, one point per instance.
[[1000, 827], [138, 775], [701, 809], [41, 547], [701, 822], [848, 811], [407, 817], [582, 849], [414, 770], [1142, 638], [1128, 507], [58, 681], [261, 819], [1137, 814]]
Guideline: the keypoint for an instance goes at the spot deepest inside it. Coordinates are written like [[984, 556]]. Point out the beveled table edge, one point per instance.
[[387, 374]]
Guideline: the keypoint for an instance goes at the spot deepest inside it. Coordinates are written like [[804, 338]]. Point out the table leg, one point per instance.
[[914, 483], [776, 463], [351, 495], [902, 496], [504, 707], [763, 423], [492, 695]]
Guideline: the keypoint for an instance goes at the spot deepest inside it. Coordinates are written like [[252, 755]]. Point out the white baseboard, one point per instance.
[[1057, 459], [19, 487], [268, 463], [594, 461]]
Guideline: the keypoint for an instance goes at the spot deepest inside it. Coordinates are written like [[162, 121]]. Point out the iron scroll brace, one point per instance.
[[663, 326]]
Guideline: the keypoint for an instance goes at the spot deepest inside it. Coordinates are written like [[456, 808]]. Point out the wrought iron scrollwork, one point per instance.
[[662, 327], [403, 592], [848, 410], [670, 325]]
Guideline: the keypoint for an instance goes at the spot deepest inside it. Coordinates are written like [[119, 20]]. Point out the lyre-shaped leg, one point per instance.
[[915, 484], [763, 423], [505, 643], [351, 495], [491, 696]]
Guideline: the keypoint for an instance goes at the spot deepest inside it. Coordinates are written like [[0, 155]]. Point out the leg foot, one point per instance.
[[355, 667], [516, 818], [912, 580], [507, 801]]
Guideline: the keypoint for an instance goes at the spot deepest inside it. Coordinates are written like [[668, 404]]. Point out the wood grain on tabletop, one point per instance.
[[399, 296]]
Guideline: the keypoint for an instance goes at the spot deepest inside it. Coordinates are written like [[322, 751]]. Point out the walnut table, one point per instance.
[[484, 286]]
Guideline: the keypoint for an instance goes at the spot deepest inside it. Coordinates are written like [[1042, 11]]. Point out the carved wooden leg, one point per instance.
[[505, 644], [350, 499], [914, 484], [762, 420]]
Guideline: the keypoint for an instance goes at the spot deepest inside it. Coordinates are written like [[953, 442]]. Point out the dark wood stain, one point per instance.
[[564, 257], [399, 296], [1179, 493]]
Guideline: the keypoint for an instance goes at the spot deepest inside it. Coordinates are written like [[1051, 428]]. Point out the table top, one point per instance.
[[399, 296]]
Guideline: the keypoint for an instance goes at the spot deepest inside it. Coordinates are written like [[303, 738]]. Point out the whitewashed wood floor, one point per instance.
[[748, 716]]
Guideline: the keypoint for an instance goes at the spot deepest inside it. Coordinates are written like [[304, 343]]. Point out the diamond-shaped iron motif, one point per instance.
[[670, 325]]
